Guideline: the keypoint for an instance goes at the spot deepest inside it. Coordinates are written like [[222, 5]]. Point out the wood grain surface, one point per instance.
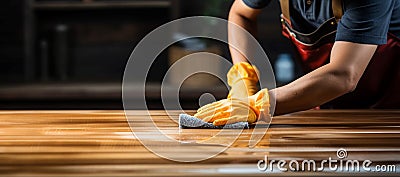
[[101, 143]]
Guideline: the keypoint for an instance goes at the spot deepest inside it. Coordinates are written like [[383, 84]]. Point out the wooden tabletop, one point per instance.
[[101, 143]]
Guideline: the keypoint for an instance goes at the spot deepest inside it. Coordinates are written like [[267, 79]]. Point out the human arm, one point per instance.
[[245, 17], [364, 26], [348, 62], [356, 42], [242, 77]]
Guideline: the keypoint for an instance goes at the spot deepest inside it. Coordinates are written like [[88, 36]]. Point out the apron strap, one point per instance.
[[337, 9]]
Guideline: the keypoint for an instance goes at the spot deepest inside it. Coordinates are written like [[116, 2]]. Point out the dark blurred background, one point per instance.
[[71, 54]]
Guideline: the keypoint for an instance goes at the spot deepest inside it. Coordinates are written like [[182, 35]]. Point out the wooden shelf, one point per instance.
[[96, 95], [99, 5], [97, 91]]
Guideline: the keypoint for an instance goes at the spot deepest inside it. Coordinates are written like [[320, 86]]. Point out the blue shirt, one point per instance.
[[363, 21]]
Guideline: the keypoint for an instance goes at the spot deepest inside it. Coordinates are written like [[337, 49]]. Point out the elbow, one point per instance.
[[347, 80], [350, 85]]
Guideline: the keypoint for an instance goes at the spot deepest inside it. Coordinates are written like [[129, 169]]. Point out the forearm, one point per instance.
[[237, 40], [348, 62], [311, 90]]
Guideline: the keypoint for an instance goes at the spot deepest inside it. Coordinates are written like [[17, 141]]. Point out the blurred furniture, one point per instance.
[[88, 40], [71, 54], [93, 96], [208, 59]]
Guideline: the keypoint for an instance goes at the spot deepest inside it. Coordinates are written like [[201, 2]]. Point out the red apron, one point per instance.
[[379, 86]]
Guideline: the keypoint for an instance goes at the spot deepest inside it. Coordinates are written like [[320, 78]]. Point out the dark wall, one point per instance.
[[11, 41]]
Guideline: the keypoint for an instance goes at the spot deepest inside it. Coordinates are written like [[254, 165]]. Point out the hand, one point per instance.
[[232, 110], [227, 111], [243, 79]]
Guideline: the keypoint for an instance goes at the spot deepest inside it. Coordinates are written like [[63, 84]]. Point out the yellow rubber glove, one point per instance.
[[243, 79], [232, 110]]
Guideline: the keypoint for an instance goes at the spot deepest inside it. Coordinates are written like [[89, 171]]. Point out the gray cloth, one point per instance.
[[188, 121]]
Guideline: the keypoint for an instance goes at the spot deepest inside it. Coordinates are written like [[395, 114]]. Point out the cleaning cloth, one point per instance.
[[188, 121]]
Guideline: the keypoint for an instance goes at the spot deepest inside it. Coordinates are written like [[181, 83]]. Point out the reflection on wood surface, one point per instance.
[[100, 143]]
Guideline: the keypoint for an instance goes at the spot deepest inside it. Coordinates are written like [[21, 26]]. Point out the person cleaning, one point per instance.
[[350, 49]]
